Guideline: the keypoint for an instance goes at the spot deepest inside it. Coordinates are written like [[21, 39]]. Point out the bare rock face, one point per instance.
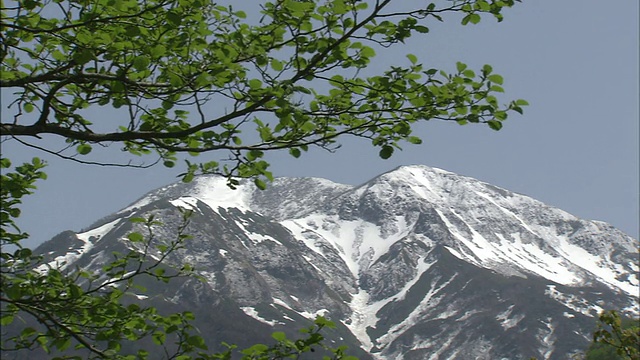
[[417, 263]]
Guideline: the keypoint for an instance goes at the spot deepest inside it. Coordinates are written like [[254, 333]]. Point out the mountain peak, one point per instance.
[[417, 258]]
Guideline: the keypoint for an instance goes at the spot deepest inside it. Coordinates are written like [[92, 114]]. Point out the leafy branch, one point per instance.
[[194, 77]]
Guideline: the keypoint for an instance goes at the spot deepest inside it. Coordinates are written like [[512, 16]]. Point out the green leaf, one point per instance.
[[75, 291], [135, 237], [521, 102], [257, 349], [23, 253], [324, 322], [260, 184], [175, 80], [298, 7], [308, 127], [62, 344], [386, 152], [167, 105], [295, 152], [483, 5], [13, 292], [414, 140], [28, 107], [495, 125], [159, 337], [254, 154], [132, 31], [367, 52], [255, 84], [188, 177], [461, 66], [57, 55], [412, 58], [82, 57], [159, 272], [421, 29], [141, 63], [6, 319], [431, 72], [158, 51], [277, 65], [174, 18], [203, 80], [196, 341], [500, 115], [279, 336], [83, 149], [496, 79]]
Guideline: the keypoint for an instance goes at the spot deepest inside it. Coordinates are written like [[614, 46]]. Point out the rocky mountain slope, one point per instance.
[[418, 263]]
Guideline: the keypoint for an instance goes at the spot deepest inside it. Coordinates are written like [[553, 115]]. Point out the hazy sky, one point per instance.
[[576, 147]]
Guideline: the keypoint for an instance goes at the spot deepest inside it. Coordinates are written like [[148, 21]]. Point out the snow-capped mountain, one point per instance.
[[418, 263]]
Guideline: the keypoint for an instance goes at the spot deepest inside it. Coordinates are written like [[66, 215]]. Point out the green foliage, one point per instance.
[[192, 76], [599, 351], [615, 338], [285, 348], [76, 309], [16, 185]]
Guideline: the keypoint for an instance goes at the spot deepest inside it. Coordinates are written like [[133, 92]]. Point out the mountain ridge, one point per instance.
[[416, 262]]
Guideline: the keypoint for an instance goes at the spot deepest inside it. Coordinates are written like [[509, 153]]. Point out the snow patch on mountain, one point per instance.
[[254, 314], [572, 302], [600, 266], [364, 314], [359, 243], [441, 347], [210, 189], [307, 236], [185, 202], [420, 312], [547, 338], [256, 238], [564, 263], [88, 239], [213, 191], [506, 320], [306, 314], [361, 318], [96, 233]]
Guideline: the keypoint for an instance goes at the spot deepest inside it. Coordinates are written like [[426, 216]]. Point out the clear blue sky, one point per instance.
[[576, 147]]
